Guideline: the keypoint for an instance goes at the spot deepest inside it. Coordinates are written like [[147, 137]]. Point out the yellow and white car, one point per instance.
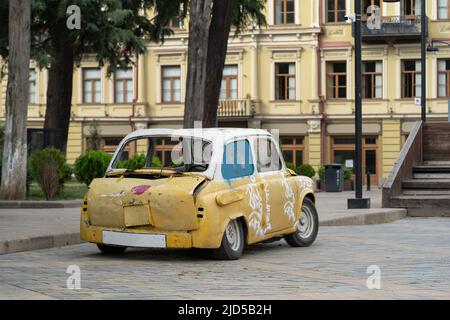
[[221, 189]]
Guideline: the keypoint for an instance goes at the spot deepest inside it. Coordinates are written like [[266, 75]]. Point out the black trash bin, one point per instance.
[[334, 177]]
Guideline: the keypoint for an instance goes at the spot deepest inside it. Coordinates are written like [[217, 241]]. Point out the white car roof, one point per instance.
[[208, 133]]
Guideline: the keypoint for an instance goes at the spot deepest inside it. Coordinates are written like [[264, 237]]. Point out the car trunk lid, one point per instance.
[[166, 203]]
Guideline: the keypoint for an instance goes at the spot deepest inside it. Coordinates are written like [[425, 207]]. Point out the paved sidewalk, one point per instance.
[[332, 208], [31, 229], [413, 257]]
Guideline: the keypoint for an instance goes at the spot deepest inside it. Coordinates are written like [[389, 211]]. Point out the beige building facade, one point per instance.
[[295, 75]]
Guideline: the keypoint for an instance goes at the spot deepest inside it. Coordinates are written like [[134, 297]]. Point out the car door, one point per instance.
[[279, 193], [238, 169]]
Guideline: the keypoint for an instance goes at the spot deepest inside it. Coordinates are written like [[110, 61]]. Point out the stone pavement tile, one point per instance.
[[413, 255]]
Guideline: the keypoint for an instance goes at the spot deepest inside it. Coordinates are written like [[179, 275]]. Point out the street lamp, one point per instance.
[[359, 202]]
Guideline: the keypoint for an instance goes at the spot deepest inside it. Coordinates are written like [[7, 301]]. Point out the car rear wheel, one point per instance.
[[307, 226], [232, 242], [107, 249]]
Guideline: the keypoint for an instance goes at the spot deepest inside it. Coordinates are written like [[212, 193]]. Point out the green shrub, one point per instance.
[[91, 165], [306, 170], [137, 162], [321, 173], [291, 166], [348, 172], [49, 169]]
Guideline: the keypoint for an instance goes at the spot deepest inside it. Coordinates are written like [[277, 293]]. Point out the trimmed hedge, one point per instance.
[[91, 165], [137, 161]]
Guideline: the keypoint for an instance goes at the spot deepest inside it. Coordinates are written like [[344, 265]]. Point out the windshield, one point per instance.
[[183, 154]]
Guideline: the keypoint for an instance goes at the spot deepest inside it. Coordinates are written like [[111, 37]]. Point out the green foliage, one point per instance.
[[137, 162], [291, 166], [348, 172], [248, 12], [91, 165], [321, 173], [48, 167], [306, 170]]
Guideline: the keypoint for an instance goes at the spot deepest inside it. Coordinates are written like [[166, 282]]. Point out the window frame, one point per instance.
[[447, 79], [34, 83], [440, 7], [335, 75], [293, 147], [335, 11], [405, 73], [284, 12], [373, 76], [172, 80], [92, 81], [286, 77], [228, 79], [124, 81]]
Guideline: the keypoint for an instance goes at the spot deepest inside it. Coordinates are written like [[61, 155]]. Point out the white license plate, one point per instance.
[[139, 240]]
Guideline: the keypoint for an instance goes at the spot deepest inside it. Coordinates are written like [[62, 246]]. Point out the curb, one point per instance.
[[37, 243], [40, 204], [381, 217], [66, 239]]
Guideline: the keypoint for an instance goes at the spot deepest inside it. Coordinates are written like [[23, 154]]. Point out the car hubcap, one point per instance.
[[233, 236], [305, 225]]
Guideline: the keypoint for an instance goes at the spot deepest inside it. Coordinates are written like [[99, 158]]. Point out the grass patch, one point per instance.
[[72, 190]]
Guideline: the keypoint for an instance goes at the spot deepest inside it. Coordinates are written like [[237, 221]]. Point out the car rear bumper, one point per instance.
[[140, 238]]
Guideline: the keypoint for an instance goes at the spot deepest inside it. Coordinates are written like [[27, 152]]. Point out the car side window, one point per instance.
[[237, 160], [268, 158]]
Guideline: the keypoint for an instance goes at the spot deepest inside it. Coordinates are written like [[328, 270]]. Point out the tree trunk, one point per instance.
[[59, 97], [199, 23], [219, 33], [209, 30], [14, 165]]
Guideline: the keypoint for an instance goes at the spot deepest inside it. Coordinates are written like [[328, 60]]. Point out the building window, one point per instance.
[[228, 89], [175, 23], [171, 84], [123, 86], [443, 78], [336, 10], [337, 80], [32, 84], [443, 9], [372, 86], [163, 150], [371, 4], [110, 144], [92, 91], [284, 11], [293, 150], [410, 7], [285, 81], [411, 78]]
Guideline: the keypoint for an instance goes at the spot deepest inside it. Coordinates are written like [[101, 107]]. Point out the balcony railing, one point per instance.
[[235, 108], [394, 26]]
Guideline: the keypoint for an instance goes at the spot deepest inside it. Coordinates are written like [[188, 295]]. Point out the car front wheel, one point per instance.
[[232, 244], [107, 249], [307, 226]]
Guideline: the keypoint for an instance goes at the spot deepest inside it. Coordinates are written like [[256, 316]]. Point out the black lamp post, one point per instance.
[[358, 202]]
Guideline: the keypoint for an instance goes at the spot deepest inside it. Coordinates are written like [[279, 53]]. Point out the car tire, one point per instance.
[[307, 226], [111, 250], [233, 241]]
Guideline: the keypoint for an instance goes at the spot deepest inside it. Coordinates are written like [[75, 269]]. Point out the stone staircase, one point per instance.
[[420, 180]]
